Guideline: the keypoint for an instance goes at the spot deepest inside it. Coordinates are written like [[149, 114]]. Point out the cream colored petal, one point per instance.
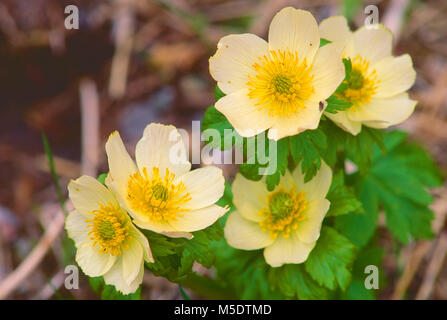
[[162, 146], [328, 71], [186, 235], [87, 193], [392, 111], [115, 278], [362, 113], [233, 61], [243, 115], [341, 120], [295, 30], [308, 230], [132, 258], [335, 29], [306, 118], [244, 234], [372, 43], [249, 197], [147, 253], [121, 165], [396, 75], [76, 227], [92, 262], [153, 225], [204, 185], [318, 186], [199, 219], [289, 250]]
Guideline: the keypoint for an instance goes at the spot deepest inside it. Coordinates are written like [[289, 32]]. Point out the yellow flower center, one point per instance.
[[284, 211], [282, 83], [109, 229], [362, 83], [158, 198]]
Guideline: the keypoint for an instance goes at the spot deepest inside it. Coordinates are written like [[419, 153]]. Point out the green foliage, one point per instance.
[[334, 104], [308, 148], [174, 257], [324, 42], [107, 292], [342, 197], [330, 261], [397, 182]]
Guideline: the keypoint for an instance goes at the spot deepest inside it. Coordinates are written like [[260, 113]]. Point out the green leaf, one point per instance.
[[294, 282], [108, 292], [398, 182], [308, 148], [218, 93], [213, 119], [334, 104], [102, 178], [330, 262], [359, 228], [324, 42], [341, 197]]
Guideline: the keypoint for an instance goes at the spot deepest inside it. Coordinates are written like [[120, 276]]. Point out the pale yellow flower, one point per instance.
[[159, 191], [277, 84], [286, 222], [107, 242], [379, 81]]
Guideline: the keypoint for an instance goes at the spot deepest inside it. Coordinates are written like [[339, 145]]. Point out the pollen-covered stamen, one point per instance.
[[362, 83], [284, 211], [156, 197], [109, 229], [282, 83]]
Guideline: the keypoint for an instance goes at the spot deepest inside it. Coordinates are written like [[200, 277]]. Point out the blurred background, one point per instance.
[[132, 62]]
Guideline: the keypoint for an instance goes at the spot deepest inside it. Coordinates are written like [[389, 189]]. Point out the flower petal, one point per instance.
[[199, 219], [328, 71], [93, 262], [373, 43], [335, 29], [87, 193], [249, 197], [396, 75], [318, 187], [295, 30], [147, 253], [306, 118], [115, 278], [308, 230], [132, 258], [341, 119], [244, 116], [121, 165], [289, 250], [204, 185], [244, 234], [233, 61], [392, 111], [76, 227], [162, 146]]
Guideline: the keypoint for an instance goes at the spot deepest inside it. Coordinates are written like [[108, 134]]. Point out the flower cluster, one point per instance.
[[159, 192]]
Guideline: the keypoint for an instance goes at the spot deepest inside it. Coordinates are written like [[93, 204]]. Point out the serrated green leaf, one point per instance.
[[330, 262], [308, 148], [213, 119], [334, 105], [341, 197]]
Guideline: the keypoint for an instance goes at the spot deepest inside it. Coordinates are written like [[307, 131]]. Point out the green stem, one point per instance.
[[207, 287]]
